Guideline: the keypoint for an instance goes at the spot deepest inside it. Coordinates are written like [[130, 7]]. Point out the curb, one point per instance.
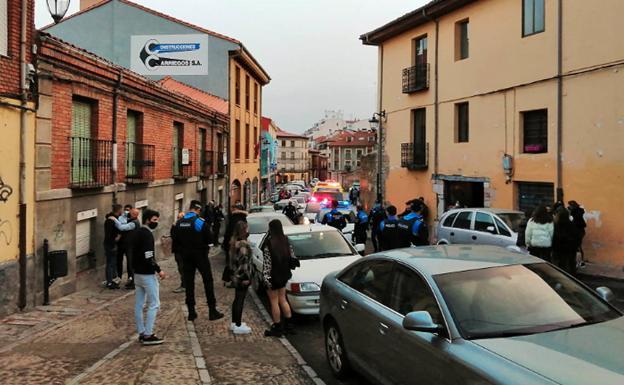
[[198, 355], [291, 349]]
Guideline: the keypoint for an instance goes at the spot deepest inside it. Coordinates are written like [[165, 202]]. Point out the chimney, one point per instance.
[[87, 3]]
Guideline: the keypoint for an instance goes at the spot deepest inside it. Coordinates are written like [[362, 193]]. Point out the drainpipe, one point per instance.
[[380, 180], [22, 157], [115, 108], [559, 100], [436, 103]]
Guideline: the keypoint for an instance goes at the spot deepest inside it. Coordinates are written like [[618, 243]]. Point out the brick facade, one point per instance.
[[10, 73]]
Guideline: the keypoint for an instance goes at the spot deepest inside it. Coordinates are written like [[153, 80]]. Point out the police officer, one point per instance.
[[361, 226], [377, 215], [192, 235], [413, 226], [291, 212], [334, 218], [389, 231]]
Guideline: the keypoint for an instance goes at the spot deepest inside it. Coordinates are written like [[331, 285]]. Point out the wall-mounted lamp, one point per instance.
[[508, 167]]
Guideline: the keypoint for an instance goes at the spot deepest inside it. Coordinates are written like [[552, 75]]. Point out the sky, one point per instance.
[[310, 48]]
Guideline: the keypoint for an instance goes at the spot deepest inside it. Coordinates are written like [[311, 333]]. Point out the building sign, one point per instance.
[[169, 54]]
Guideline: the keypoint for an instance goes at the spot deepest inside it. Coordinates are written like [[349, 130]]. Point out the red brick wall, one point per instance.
[[10, 66]]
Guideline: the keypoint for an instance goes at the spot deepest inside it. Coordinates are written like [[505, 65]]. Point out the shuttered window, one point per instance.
[[461, 122], [82, 146], [4, 28], [533, 194], [247, 142], [177, 146], [131, 139], [237, 147], [535, 131]]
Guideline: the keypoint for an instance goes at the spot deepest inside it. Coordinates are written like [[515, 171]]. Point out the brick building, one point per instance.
[[104, 135], [17, 121], [318, 164], [345, 150]]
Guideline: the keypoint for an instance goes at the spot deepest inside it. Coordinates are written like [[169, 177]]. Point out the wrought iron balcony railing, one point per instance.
[[207, 164], [220, 163], [415, 156], [416, 78], [140, 162], [183, 163], [91, 162]]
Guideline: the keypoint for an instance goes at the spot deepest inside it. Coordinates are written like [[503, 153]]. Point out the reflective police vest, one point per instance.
[[187, 237], [413, 228], [391, 235]]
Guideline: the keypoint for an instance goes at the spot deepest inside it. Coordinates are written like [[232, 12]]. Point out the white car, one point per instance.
[[258, 225], [349, 216], [321, 250]]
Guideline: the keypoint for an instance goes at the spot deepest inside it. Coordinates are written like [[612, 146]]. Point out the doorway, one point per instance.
[[463, 194]]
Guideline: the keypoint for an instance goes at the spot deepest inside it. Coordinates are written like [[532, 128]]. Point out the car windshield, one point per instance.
[[313, 208], [259, 225], [319, 244], [513, 220], [518, 300]]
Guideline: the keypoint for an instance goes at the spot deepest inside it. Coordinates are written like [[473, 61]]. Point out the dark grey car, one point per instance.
[[469, 315]]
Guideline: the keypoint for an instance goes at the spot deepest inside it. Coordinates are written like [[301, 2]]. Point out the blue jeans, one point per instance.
[[146, 288], [111, 262]]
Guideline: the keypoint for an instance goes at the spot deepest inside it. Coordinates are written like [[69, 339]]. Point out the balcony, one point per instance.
[[207, 164], [220, 163], [416, 78], [414, 156], [91, 163], [140, 161], [183, 164]]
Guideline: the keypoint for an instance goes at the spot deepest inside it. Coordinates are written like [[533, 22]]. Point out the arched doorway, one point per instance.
[[247, 194], [254, 191], [235, 192]]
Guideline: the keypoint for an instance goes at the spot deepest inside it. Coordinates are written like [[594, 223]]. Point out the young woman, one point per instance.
[[276, 273], [539, 234], [566, 241], [241, 266]]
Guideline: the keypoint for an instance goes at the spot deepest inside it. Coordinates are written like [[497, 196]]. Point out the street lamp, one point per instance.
[[375, 122], [58, 9]]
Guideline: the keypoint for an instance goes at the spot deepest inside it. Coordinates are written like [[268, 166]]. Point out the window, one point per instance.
[[247, 143], [461, 40], [411, 294], [531, 195], [348, 154], [463, 220], [532, 17], [255, 136], [4, 28], [133, 121], [237, 140], [483, 221], [448, 222], [237, 90], [283, 143], [283, 155], [292, 155], [178, 142], [82, 144], [373, 279], [461, 122], [247, 91], [420, 51], [203, 159], [502, 230], [256, 97], [292, 143], [358, 154], [535, 131]]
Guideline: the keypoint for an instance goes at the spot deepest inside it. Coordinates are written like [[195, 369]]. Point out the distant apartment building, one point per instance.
[[318, 165], [507, 104], [268, 157], [293, 158], [146, 41], [332, 123], [345, 150]]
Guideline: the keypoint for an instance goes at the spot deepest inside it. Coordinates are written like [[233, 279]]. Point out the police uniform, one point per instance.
[[390, 234], [192, 236], [414, 229], [335, 219], [361, 225]]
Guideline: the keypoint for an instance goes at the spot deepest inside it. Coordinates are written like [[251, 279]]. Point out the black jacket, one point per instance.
[[110, 231], [144, 253], [566, 238], [235, 217]]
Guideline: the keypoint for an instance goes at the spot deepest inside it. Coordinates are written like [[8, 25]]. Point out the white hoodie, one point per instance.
[[539, 234]]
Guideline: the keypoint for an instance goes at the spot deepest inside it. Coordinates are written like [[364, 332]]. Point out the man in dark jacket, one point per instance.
[[377, 215], [291, 212], [216, 224], [238, 214], [413, 227], [111, 236], [193, 236], [389, 230], [335, 218], [578, 213], [361, 226]]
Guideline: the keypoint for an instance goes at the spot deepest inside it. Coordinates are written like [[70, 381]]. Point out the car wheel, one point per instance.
[[335, 351], [442, 243]]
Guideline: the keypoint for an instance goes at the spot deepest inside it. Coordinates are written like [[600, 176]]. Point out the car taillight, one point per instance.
[[295, 288]]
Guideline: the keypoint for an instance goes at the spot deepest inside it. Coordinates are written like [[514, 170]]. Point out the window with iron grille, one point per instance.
[[533, 194], [535, 131], [247, 92], [237, 85], [178, 143], [139, 158], [82, 145], [4, 28], [256, 97], [462, 125], [247, 144], [532, 17], [255, 136], [461, 40], [237, 134]]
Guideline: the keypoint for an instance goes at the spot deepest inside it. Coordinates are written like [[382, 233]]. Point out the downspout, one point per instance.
[[559, 100], [380, 180], [436, 104], [22, 158], [114, 162]]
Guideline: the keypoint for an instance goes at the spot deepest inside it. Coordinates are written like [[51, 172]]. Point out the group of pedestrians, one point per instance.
[[555, 234], [120, 228]]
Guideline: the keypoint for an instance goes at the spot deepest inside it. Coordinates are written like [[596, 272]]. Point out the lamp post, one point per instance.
[[376, 124], [58, 9]]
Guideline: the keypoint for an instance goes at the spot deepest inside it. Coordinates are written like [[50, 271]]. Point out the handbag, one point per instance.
[[293, 263]]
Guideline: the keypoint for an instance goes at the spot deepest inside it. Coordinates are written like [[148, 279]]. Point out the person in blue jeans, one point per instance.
[[146, 275]]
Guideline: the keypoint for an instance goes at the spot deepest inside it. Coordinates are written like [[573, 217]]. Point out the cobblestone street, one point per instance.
[[89, 338]]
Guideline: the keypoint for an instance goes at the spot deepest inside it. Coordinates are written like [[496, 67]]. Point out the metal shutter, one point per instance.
[[131, 123], [81, 166], [4, 28], [531, 195]]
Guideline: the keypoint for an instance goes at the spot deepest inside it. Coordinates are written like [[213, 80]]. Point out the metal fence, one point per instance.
[[415, 78], [183, 166], [91, 162], [414, 156], [140, 162]]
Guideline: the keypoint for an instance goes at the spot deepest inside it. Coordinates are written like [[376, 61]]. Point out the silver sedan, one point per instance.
[[469, 315]]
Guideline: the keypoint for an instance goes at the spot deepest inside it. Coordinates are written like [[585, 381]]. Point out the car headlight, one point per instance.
[[304, 287]]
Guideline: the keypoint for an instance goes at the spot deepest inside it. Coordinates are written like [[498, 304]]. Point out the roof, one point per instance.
[[265, 123], [209, 100], [420, 16], [283, 134], [442, 259], [341, 139]]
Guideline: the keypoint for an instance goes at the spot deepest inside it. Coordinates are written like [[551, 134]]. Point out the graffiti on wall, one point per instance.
[[6, 232], [59, 231], [5, 191]]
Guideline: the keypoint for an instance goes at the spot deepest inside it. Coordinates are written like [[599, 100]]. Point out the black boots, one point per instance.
[[274, 331], [214, 314], [192, 313]]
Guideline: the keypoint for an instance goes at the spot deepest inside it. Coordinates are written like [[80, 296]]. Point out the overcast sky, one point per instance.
[[310, 48]]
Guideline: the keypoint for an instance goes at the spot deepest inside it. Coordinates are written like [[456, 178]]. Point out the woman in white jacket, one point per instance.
[[539, 234]]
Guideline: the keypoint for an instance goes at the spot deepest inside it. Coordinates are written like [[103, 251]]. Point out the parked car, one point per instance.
[[349, 215], [258, 224], [469, 314], [261, 209], [482, 226], [311, 211], [320, 250]]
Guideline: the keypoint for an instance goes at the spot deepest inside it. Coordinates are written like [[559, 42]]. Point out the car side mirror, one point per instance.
[[605, 293], [421, 321], [360, 248], [490, 229]]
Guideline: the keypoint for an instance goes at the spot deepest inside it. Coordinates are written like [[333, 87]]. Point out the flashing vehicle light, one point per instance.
[[344, 204], [313, 199]]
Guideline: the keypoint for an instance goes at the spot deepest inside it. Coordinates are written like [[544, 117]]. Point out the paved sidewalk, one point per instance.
[[89, 338]]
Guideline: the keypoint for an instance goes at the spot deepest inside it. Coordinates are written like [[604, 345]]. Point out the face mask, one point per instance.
[[152, 225]]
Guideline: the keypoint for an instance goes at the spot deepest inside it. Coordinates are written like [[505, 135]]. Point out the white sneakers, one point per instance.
[[243, 329]]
